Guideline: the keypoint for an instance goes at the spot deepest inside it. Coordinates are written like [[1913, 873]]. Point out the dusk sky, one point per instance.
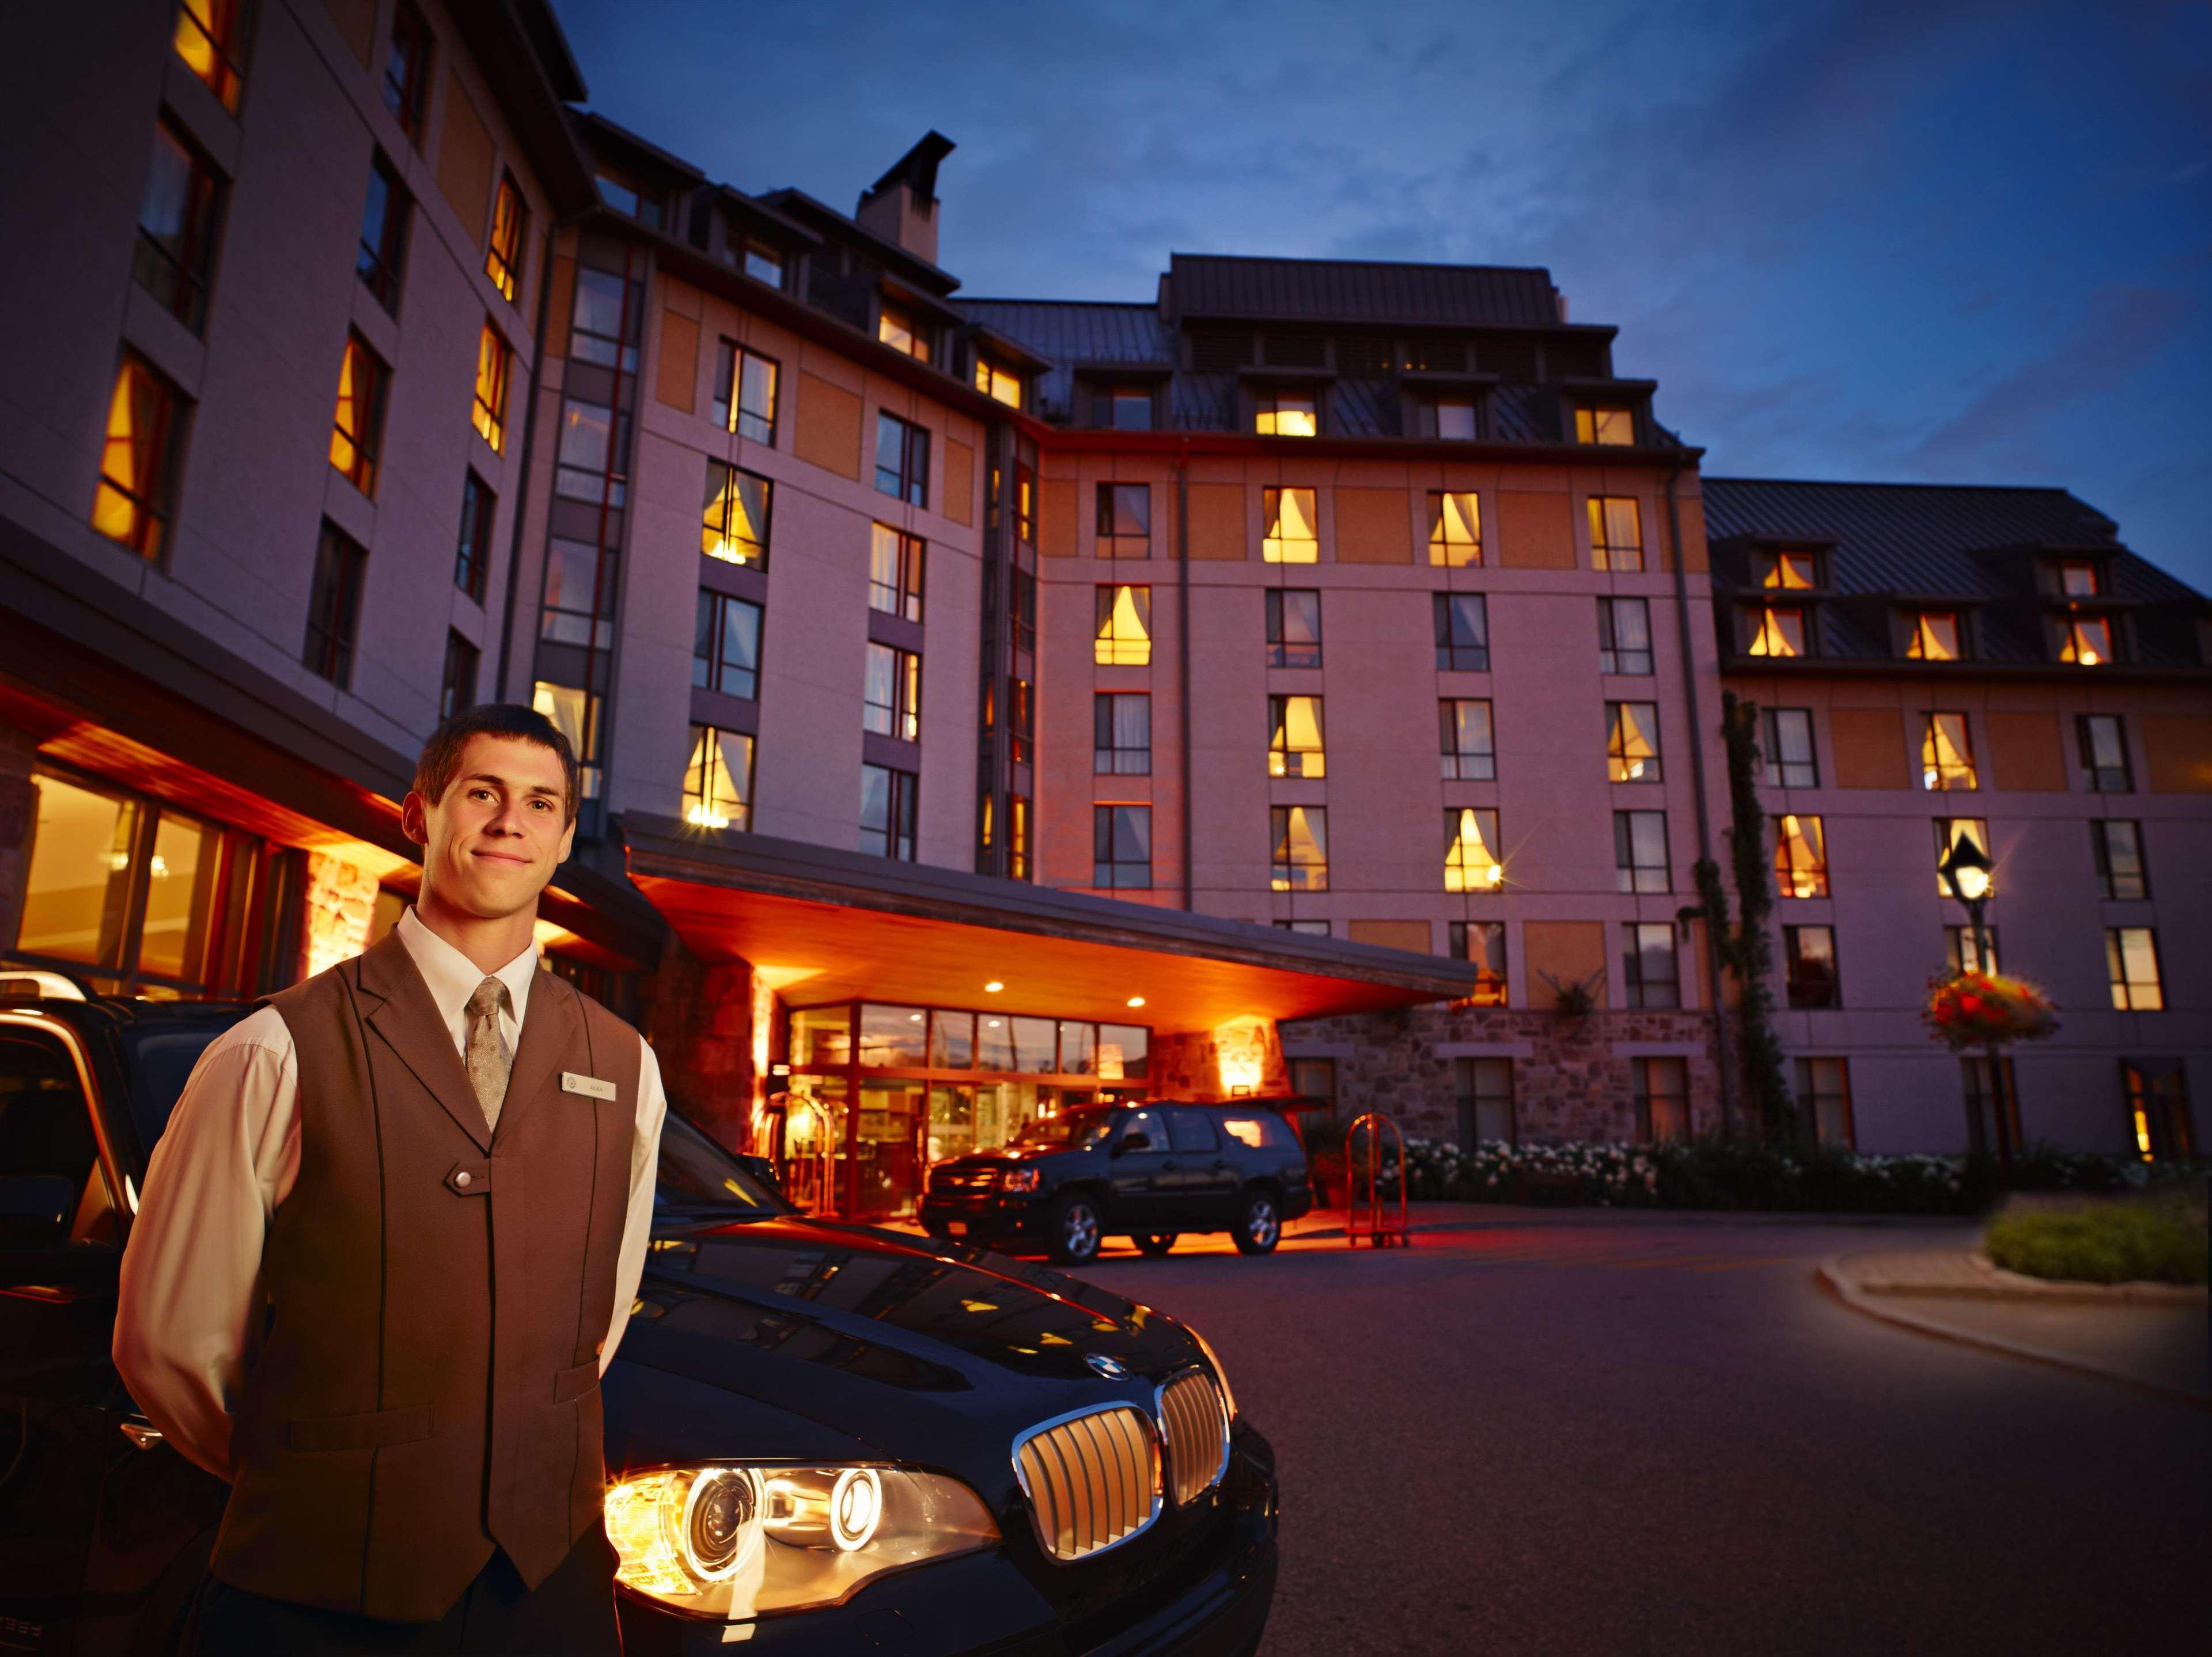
[[1915, 241]]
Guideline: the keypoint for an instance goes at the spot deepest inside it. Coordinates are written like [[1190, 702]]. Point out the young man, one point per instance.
[[388, 1245]]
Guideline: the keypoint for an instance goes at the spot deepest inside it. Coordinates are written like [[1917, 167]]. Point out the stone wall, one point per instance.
[[1572, 1079], [341, 902], [700, 1021], [1192, 1065]]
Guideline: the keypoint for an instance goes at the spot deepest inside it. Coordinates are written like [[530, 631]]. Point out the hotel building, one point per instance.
[[1306, 678]]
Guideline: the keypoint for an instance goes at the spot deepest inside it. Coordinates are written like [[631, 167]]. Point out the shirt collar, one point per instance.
[[453, 978]]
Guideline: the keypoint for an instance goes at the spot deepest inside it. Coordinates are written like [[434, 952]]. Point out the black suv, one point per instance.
[[903, 1446], [1149, 1172]]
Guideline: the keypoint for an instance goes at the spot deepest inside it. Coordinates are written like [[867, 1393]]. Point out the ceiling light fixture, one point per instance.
[[993, 987], [1136, 1000]]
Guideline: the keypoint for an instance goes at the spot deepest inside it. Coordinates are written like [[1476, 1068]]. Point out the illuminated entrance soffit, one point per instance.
[[822, 925]]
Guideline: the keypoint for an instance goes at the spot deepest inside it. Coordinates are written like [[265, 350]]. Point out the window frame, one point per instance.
[[1467, 764], [409, 100], [1778, 769], [717, 537], [149, 494], [901, 801], [902, 595], [2104, 779], [1110, 757], [1806, 985], [1447, 549], [1946, 836], [1122, 874], [1282, 651], [223, 73], [1923, 630], [707, 755], [1648, 1100], [1807, 1092], [1613, 657], [457, 680], [1779, 633], [1492, 981], [1963, 954], [190, 271], [1630, 874], [1620, 765], [1470, 1096], [1277, 548], [2133, 994], [1604, 550], [2109, 876], [1286, 757], [1108, 648], [1463, 872], [1453, 656], [729, 409], [1595, 421], [495, 364], [1287, 872], [900, 718], [381, 269], [503, 240], [1936, 774], [908, 480], [1269, 409], [366, 444], [1640, 987], [1792, 872], [334, 596], [710, 625], [472, 553], [1112, 539]]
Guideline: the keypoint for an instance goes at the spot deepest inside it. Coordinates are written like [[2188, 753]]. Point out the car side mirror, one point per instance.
[[1137, 1141]]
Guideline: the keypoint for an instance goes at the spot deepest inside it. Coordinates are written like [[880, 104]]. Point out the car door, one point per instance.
[[1202, 1178], [1136, 1156]]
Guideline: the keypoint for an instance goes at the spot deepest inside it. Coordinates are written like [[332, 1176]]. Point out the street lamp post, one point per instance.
[[1966, 871]]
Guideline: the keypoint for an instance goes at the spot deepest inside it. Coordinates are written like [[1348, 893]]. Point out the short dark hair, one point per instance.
[[442, 755]]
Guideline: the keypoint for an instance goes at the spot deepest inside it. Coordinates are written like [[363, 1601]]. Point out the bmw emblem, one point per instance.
[[1109, 1369]]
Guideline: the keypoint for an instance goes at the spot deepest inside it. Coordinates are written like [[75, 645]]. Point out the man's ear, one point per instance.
[[415, 818], [567, 839]]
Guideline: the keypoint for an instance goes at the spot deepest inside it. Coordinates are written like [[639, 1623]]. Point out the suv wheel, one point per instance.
[[1259, 1224], [1155, 1242], [1074, 1233]]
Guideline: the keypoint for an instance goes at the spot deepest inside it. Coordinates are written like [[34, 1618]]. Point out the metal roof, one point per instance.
[[1360, 290]]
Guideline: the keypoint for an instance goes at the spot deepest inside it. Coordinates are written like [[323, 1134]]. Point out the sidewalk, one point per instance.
[[2146, 1335]]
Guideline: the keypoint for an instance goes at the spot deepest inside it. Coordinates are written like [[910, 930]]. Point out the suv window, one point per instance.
[[1260, 1130], [52, 1192], [1146, 1122], [1189, 1130]]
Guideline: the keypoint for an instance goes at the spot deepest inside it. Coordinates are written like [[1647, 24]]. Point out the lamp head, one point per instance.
[[1966, 870]]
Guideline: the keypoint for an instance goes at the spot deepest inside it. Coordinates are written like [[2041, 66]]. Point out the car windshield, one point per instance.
[[1074, 1127]]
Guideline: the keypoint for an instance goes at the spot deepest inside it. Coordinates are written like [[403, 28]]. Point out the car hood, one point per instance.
[[913, 1350]]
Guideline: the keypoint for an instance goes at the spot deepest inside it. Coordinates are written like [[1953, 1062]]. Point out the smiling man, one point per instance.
[[388, 1245]]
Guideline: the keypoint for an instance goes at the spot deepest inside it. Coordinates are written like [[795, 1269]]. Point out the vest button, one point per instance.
[[462, 1178]]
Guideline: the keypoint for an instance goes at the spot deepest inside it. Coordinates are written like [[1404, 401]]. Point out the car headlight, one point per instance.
[[1018, 1179], [1220, 1374], [731, 1542]]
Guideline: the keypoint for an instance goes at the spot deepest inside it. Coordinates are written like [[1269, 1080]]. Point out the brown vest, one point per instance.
[[429, 1386]]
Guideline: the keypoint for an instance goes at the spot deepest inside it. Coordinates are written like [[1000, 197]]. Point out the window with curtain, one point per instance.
[[891, 696], [1286, 413], [1470, 751], [510, 220], [1788, 747], [490, 414], [138, 458], [734, 521], [1462, 629], [2118, 847], [1298, 835], [1125, 520], [1486, 1101], [1789, 569], [1455, 528], [1965, 955], [357, 427], [1291, 518], [2104, 753], [1122, 848], [744, 393], [726, 645], [2087, 642], [1624, 636], [2131, 962], [179, 219], [1616, 533], [607, 319], [718, 778], [1639, 852], [1599, 423], [1801, 856], [1776, 631], [1294, 738], [1935, 636], [1293, 626], [579, 595], [1648, 976], [1123, 635], [1473, 861], [887, 811], [1122, 734], [1631, 742], [1481, 943], [576, 712], [1946, 755], [894, 567]]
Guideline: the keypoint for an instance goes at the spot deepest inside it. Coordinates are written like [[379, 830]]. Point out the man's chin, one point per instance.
[[495, 894]]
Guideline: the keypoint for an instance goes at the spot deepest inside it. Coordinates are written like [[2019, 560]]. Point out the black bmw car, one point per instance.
[[820, 1437]]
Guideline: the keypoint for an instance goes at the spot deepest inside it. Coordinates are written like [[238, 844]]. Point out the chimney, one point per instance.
[[901, 205]]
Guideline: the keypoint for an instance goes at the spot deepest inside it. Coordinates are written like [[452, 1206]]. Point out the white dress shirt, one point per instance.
[[191, 1293]]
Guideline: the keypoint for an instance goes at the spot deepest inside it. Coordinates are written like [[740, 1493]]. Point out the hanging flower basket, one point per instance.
[[1975, 1009]]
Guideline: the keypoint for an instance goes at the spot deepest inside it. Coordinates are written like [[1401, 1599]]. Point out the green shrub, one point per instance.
[[2111, 1241]]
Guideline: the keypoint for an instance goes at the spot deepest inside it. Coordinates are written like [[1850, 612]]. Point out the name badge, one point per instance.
[[590, 1086]]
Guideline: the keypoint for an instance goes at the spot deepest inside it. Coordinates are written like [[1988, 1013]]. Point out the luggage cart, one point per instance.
[[1367, 1213]]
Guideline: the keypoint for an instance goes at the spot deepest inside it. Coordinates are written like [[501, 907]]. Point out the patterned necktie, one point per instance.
[[489, 1059]]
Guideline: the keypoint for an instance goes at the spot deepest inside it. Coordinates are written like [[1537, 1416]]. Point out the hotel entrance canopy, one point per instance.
[[823, 925]]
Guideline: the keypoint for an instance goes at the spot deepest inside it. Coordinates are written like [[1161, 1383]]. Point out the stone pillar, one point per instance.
[[19, 813], [1243, 1057], [710, 1033], [341, 902]]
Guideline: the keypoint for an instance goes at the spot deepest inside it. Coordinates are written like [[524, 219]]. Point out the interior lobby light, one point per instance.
[[993, 987], [1136, 1000]]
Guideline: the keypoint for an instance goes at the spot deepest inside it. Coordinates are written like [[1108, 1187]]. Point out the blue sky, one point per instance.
[[1918, 241]]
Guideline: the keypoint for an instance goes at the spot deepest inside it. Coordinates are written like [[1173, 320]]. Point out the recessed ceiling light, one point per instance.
[[993, 987], [1136, 1000]]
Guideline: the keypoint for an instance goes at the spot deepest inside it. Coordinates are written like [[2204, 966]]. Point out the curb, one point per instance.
[[1837, 1279]]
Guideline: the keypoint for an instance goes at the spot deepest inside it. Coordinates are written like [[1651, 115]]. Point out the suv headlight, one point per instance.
[[731, 1542], [1018, 1179]]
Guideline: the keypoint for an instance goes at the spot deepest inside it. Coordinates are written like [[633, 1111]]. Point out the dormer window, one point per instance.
[[999, 384], [897, 329], [2086, 640], [1935, 636], [624, 196], [1608, 423], [2081, 577], [1287, 414], [1124, 409], [762, 264], [1789, 569], [1451, 418], [1777, 632]]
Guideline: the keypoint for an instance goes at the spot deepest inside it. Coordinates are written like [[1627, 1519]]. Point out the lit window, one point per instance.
[[407, 70], [588, 464], [2105, 754], [608, 318], [574, 571], [1624, 636], [1122, 848], [1947, 757], [1123, 636], [1018, 837], [762, 264], [84, 854], [1631, 742], [2131, 961], [1964, 953], [726, 645], [1648, 972], [1025, 502], [1482, 944], [1935, 637], [1605, 425], [897, 329], [1294, 740], [894, 567], [2081, 577], [209, 37], [1639, 852], [1801, 856], [1824, 1095], [2088, 642], [891, 704], [999, 384], [1125, 520], [1473, 862], [503, 257], [1462, 629], [575, 712], [1293, 626], [2118, 847], [1949, 832], [177, 221], [1777, 632], [138, 458], [1299, 837], [457, 688], [1789, 748], [489, 415], [887, 811], [752, 413], [903, 460], [1287, 416], [1455, 528], [334, 606], [1810, 953], [1021, 720], [734, 524], [718, 778], [1470, 753], [1616, 533], [1788, 569], [1291, 538], [357, 427], [2157, 1092], [383, 248], [1662, 1099], [472, 554], [1122, 734]]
